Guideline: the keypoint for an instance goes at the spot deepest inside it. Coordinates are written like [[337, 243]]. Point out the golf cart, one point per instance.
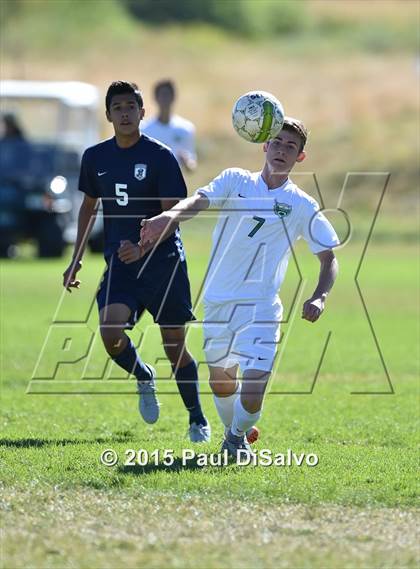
[[46, 127]]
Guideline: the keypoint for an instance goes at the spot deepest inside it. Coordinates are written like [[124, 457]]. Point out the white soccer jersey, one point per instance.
[[178, 134], [254, 234]]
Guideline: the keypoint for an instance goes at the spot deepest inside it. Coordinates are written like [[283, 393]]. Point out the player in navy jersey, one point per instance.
[[136, 177]]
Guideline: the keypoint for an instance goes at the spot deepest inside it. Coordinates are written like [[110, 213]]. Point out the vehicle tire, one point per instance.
[[8, 249], [50, 238]]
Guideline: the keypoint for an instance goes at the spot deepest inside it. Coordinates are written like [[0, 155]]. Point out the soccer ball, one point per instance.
[[257, 116]]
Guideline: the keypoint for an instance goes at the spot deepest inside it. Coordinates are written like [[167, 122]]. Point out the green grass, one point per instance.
[[358, 506], [366, 444], [73, 24]]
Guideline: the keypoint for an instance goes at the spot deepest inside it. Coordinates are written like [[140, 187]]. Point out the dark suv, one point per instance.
[[36, 186]]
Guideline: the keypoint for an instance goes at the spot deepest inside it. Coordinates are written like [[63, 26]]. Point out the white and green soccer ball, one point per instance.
[[257, 116]]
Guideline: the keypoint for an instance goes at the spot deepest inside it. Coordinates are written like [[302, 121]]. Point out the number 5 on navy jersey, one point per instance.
[[123, 196]]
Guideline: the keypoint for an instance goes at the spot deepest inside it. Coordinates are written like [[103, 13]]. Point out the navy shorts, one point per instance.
[[159, 285]]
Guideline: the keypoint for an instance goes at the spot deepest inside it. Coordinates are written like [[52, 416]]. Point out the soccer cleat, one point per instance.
[[252, 434], [238, 448], [199, 433], [148, 401]]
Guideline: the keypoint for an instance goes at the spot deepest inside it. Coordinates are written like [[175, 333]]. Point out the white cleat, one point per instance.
[[148, 401], [199, 433]]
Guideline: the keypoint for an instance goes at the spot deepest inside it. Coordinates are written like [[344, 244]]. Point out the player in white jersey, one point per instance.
[[261, 216], [171, 129]]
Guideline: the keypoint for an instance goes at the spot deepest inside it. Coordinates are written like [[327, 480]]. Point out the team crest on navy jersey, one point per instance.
[[282, 209], [140, 171]]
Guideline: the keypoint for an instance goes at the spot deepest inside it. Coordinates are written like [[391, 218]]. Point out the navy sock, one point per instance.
[[187, 382], [129, 360]]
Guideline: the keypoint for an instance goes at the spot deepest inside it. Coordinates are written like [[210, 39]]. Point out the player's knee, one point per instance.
[[252, 394], [221, 386], [252, 403], [173, 353], [177, 354], [113, 340]]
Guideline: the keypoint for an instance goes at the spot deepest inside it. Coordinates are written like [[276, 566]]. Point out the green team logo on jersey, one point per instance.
[[282, 209]]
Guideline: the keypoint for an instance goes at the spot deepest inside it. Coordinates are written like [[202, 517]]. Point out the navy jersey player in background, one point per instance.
[[137, 177]]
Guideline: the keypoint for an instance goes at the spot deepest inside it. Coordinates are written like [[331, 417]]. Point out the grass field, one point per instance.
[[357, 508], [351, 73]]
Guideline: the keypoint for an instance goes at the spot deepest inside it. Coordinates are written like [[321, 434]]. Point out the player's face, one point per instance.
[[284, 151], [125, 114]]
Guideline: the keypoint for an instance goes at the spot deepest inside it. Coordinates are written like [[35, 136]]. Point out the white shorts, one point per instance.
[[244, 334]]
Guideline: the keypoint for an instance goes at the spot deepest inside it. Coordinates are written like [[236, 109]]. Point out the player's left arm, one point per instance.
[[314, 306]]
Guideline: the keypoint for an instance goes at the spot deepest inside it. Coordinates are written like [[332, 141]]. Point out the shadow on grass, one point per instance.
[[179, 465], [149, 468], [38, 443]]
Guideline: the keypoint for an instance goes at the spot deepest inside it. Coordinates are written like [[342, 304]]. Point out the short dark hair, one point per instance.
[[165, 84], [120, 88], [294, 125]]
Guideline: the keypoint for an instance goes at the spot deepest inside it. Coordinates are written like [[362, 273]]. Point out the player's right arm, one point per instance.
[[162, 225], [85, 223], [212, 196]]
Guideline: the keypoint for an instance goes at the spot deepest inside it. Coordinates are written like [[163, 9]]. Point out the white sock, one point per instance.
[[242, 420], [224, 405]]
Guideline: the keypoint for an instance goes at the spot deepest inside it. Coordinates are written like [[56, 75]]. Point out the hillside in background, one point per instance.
[[348, 69]]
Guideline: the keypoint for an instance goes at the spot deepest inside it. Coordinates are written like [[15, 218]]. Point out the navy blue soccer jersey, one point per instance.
[[131, 182]]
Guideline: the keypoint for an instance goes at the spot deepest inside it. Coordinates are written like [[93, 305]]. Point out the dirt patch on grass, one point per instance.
[[88, 528]]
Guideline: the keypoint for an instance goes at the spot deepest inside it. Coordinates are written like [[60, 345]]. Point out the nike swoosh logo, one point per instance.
[[261, 358], [101, 173], [241, 196]]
